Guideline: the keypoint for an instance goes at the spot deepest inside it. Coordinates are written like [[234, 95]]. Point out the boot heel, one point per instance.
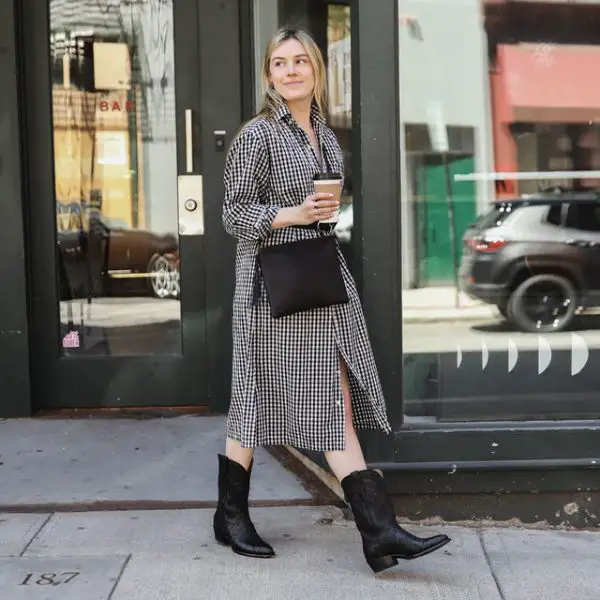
[[221, 539], [381, 563]]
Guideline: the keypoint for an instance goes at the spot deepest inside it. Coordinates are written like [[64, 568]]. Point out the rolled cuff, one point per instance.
[[250, 221], [264, 224]]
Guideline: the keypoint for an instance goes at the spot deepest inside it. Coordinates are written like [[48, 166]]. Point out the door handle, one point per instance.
[[190, 187], [189, 142], [191, 205]]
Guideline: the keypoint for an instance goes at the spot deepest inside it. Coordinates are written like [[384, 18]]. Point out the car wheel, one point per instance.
[[164, 277], [543, 304]]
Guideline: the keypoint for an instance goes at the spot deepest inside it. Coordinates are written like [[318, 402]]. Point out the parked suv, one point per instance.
[[537, 258]]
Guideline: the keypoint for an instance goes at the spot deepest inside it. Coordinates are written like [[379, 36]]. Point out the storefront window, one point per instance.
[[115, 171], [329, 25], [500, 209]]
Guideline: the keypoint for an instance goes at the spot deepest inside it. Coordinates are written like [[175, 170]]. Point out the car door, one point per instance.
[[582, 229]]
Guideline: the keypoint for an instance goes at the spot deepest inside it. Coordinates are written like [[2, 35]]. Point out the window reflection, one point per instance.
[[115, 176], [500, 130], [339, 85]]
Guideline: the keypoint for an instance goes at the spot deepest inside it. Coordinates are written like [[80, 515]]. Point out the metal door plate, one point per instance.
[[190, 205]]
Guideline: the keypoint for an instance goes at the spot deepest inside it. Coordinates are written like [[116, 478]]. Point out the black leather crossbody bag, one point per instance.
[[302, 275]]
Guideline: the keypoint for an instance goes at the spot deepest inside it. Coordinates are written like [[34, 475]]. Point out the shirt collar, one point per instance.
[[283, 114]]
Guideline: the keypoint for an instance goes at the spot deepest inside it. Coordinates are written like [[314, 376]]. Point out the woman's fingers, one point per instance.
[[320, 196], [320, 206], [331, 204]]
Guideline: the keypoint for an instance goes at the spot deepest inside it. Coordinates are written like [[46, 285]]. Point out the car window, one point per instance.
[[554, 215], [584, 216]]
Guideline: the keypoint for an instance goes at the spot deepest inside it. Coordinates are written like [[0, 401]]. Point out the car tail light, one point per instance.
[[487, 245]]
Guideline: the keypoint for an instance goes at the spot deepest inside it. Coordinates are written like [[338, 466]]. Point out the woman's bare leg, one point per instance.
[[235, 452], [344, 462]]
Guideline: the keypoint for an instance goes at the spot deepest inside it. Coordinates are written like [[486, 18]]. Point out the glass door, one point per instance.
[[117, 225]]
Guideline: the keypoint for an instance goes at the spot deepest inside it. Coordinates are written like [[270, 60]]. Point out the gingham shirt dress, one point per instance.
[[286, 387]]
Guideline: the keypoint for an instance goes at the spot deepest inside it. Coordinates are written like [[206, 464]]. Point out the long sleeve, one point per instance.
[[246, 216]]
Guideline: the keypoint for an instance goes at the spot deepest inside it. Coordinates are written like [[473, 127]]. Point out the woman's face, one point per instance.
[[291, 72]]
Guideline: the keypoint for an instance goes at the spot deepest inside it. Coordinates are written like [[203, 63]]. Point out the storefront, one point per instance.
[[114, 123]]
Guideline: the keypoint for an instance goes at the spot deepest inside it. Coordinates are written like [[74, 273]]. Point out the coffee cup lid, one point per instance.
[[324, 176]]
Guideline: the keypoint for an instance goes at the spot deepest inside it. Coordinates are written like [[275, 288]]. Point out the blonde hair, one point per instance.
[[272, 100]]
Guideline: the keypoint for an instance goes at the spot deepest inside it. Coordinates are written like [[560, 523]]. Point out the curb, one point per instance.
[[147, 505], [447, 318], [326, 478]]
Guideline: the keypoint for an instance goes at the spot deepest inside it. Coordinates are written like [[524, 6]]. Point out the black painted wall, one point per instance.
[[14, 350]]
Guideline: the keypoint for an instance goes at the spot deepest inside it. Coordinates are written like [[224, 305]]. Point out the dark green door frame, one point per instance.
[[377, 185], [222, 109], [15, 400]]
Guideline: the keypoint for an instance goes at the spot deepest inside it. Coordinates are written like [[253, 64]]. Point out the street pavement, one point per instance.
[[442, 304], [54, 545]]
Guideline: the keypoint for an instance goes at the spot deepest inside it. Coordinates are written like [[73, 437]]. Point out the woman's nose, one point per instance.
[[291, 69]]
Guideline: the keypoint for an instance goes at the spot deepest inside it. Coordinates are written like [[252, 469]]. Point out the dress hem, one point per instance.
[[300, 446]]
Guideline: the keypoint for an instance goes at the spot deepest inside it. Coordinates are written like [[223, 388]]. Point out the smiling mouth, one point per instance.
[[294, 83]]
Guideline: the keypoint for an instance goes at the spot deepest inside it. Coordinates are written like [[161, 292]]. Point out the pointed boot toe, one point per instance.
[[262, 550], [398, 542], [242, 537], [430, 544], [253, 546], [256, 549]]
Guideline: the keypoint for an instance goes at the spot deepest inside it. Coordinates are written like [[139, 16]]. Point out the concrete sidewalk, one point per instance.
[[119, 462], [75, 525], [438, 304], [171, 555]]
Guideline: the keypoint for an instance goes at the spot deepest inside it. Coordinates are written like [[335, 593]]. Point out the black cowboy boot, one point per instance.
[[231, 522], [384, 541]]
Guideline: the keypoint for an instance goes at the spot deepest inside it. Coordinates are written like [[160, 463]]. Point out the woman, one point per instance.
[[307, 379]]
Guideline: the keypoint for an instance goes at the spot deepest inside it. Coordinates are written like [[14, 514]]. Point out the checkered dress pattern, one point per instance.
[[286, 372]]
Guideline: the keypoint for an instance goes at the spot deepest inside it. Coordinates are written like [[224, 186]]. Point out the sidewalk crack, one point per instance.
[[35, 535], [119, 576], [489, 564]]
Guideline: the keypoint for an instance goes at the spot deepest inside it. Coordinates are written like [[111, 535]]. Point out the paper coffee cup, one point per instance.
[[329, 183]]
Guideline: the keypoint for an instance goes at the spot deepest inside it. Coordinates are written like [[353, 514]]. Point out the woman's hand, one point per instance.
[[316, 207]]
